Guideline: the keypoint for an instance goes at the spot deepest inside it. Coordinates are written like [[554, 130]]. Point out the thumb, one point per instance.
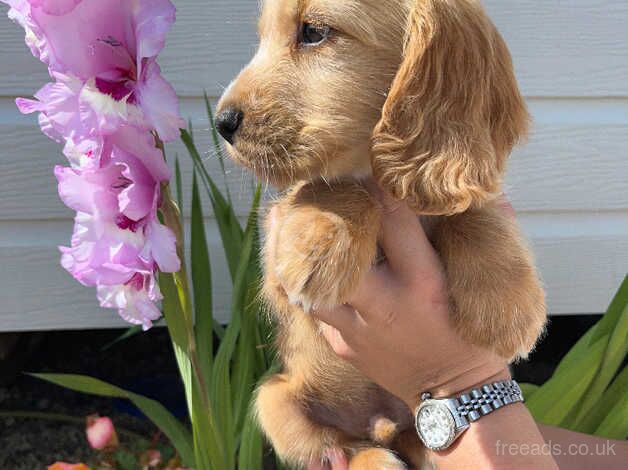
[[404, 242]]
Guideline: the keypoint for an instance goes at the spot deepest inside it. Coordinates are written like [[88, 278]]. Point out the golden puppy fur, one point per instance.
[[421, 95]]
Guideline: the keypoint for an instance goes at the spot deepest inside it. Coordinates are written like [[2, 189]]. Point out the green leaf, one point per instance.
[[246, 293], [208, 443], [191, 128], [179, 436], [561, 394], [601, 329], [178, 329], [251, 455], [614, 327], [528, 390], [614, 356], [130, 332], [615, 309], [208, 446], [579, 351], [243, 375], [615, 425], [173, 311], [222, 390], [202, 283], [230, 231], [604, 405]]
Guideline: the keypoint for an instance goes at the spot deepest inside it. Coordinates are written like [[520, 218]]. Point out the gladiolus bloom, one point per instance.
[[110, 47], [107, 104]]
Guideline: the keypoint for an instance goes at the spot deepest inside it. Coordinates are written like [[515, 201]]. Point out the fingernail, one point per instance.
[[337, 459]]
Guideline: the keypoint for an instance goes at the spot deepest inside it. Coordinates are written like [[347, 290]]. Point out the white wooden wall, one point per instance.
[[568, 184]]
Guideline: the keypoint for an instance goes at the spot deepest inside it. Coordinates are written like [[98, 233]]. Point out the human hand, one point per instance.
[[396, 327], [335, 460], [397, 330]]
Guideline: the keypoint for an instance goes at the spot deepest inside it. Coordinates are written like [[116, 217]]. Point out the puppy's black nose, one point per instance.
[[228, 122]]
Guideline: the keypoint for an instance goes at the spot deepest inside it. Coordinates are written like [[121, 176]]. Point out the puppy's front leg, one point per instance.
[[323, 239], [497, 300]]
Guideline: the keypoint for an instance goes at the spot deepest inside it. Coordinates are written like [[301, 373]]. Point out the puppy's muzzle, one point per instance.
[[228, 122]]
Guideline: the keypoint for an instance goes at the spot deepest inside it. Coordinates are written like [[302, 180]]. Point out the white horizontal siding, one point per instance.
[[568, 184], [581, 273], [37, 293], [575, 160], [28, 190], [561, 48]]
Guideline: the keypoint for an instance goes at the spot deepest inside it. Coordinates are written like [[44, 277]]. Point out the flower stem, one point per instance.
[[209, 449], [172, 219]]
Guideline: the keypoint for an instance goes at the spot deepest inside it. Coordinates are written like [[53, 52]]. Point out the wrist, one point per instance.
[[475, 378], [499, 440], [461, 383]]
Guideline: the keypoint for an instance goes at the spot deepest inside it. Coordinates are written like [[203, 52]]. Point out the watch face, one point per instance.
[[435, 425]]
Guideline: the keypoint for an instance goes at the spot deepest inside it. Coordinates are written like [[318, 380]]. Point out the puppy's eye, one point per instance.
[[313, 35]]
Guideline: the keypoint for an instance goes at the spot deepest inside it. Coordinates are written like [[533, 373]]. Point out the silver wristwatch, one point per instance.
[[440, 422]]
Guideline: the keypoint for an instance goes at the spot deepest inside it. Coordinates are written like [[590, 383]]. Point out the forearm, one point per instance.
[[508, 438], [576, 451]]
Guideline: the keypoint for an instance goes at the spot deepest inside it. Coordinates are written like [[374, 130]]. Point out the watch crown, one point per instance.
[[426, 396]]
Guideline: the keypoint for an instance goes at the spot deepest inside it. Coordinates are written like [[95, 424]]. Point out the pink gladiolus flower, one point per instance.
[[110, 47], [118, 239], [106, 103], [134, 300], [101, 433]]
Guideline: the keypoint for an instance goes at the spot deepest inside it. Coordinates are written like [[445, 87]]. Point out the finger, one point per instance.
[[373, 291], [343, 318], [337, 459], [315, 465], [337, 342], [405, 244]]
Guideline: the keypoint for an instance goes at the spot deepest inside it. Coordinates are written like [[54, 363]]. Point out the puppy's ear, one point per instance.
[[453, 113]]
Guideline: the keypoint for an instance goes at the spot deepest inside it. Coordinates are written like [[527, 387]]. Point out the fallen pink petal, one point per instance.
[[101, 433]]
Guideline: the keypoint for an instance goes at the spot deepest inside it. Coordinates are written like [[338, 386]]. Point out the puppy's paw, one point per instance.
[[320, 257], [376, 459], [320, 240]]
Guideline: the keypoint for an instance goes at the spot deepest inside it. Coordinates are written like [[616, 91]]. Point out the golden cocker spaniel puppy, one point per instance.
[[420, 95]]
